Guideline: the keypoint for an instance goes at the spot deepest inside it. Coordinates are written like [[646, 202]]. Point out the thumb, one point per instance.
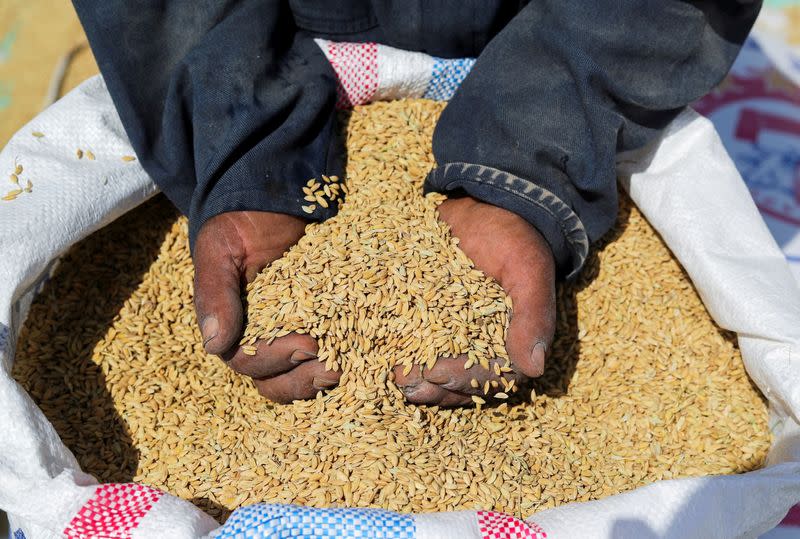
[[217, 292], [530, 331]]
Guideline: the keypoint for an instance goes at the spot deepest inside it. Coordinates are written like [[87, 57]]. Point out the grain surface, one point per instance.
[[640, 385]]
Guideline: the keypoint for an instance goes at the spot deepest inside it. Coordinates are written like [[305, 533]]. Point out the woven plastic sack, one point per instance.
[[686, 186]]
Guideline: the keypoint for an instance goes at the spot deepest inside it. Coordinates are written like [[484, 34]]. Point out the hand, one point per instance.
[[231, 249], [509, 249]]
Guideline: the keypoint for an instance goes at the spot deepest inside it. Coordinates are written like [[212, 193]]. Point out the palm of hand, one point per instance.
[[507, 248]]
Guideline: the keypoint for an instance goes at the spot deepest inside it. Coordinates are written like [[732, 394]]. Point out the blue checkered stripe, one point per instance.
[[278, 521], [446, 77]]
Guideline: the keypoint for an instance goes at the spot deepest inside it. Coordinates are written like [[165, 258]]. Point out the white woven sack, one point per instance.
[[685, 185]]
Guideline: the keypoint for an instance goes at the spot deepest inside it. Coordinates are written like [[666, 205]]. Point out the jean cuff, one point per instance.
[[552, 217]]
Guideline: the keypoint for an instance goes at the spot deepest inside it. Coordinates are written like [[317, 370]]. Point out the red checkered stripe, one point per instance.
[[356, 68], [792, 518], [112, 512], [494, 525]]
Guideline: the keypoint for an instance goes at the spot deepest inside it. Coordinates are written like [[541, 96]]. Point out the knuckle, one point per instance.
[[422, 394], [417, 398]]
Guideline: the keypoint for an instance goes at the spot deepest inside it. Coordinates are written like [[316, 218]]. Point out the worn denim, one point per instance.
[[229, 104]]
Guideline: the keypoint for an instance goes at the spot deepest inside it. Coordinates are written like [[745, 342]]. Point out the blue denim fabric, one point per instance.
[[229, 104]]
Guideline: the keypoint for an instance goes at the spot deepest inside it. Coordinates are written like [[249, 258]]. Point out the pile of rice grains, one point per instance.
[[640, 384]]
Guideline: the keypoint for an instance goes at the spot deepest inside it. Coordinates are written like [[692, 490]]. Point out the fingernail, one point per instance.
[[209, 328], [298, 356], [320, 382], [537, 359], [301, 355]]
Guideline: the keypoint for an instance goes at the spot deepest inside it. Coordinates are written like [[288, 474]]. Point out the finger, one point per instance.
[[453, 399], [450, 374], [434, 395], [302, 382], [419, 391], [423, 393], [217, 289], [412, 378], [531, 328], [281, 355]]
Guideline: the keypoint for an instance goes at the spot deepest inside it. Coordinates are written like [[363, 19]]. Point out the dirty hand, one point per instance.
[[509, 249], [230, 250]]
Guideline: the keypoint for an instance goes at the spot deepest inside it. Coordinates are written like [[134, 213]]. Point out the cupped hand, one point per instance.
[[510, 250], [230, 250]]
